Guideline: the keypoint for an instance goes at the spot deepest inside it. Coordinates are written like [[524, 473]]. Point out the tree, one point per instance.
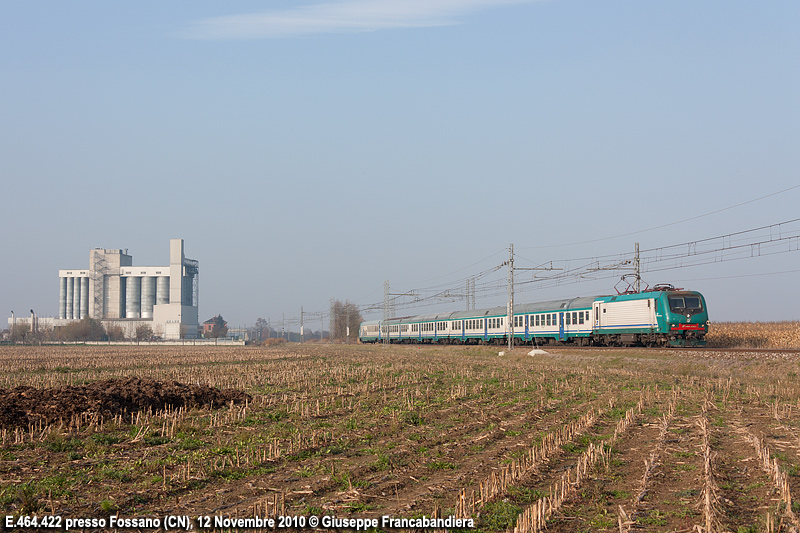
[[143, 332], [262, 330], [20, 332], [85, 329], [114, 332], [219, 329], [343, 315]]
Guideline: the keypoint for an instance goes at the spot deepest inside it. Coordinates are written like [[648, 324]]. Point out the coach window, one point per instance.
[[580, 317], [568, 322]]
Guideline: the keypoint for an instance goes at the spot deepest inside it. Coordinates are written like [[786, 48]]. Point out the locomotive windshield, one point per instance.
[[685, 305]]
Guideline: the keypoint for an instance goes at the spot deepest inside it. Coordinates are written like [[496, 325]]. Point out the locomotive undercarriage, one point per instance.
[[649, 340]]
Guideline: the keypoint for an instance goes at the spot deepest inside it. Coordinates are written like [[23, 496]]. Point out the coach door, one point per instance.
[[526, 327], [463, 331], [561, 326]]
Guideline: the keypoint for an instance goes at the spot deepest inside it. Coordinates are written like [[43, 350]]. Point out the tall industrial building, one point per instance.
[[115, 291]]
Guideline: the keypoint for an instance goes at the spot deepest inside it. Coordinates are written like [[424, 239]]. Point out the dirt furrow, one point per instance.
[[671, 499]]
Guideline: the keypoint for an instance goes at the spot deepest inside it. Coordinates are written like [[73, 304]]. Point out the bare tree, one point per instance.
[[114, 332], [21, 333], [143, 332], [344, 314], [262, 330], [85, 329]]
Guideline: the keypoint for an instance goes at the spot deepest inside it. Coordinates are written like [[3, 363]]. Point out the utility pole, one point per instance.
[[511, 290], [332, 322], [301, 324], [385, 313], [472, 286], [510, 297], [636, 270], [388, 309]]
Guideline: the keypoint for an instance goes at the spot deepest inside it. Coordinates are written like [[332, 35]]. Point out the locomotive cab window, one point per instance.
[[685, 305]]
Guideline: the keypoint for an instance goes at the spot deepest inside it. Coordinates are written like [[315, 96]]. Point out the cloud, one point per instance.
[[349, 16]]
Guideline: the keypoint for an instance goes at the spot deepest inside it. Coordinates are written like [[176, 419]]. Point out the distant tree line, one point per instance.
[[86, 329]]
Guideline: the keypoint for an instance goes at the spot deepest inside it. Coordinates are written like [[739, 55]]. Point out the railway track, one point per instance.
[[668, 350]]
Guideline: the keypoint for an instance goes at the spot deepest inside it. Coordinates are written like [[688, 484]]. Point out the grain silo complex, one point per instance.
[[116, 292]]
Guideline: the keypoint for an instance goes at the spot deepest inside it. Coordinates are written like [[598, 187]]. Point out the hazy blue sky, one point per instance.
[[310, 150]]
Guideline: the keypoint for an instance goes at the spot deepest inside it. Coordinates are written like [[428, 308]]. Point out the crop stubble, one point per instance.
[[669, 440]]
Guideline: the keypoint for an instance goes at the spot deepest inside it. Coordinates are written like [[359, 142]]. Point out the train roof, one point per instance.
[[538, 307]]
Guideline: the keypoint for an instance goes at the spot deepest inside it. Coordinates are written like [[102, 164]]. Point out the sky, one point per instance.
[[313, 150]]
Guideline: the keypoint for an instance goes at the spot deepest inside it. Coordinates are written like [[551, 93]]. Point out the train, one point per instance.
[[661, 316]]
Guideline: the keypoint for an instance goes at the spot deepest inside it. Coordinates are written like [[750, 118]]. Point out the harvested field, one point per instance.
[[770, 335], [589, 440]]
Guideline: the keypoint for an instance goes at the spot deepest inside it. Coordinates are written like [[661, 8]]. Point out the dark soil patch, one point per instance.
[[22, 406]]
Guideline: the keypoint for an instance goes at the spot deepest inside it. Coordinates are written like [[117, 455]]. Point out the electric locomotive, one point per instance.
[[662, 316]]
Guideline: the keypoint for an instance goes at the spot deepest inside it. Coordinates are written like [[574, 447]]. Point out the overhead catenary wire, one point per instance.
[[661, 226], [754, 242], [781, 237]]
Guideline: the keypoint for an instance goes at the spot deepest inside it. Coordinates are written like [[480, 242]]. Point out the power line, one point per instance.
[[663, 225], [755, 242]]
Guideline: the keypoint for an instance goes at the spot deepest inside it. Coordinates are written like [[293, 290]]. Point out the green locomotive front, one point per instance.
[[685, 320]]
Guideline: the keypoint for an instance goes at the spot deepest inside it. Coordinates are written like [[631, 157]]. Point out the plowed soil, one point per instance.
[[24, 405]]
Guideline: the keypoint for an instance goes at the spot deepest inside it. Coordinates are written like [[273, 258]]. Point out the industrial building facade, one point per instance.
[[116, 292]]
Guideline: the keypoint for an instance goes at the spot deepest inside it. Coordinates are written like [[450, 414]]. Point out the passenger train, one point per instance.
[[661, 316]]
